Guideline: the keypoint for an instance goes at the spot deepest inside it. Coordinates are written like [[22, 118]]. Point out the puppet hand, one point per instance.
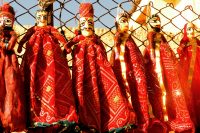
[[68, 50]]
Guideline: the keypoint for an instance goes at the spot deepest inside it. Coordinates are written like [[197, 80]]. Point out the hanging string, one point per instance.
[[45, 3], [60, 16]]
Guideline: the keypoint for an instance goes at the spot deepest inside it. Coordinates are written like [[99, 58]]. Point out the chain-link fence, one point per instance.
[[65, 17]]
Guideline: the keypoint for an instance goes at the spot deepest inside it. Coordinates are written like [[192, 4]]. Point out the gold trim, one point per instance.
[[158, 71], [193, 43]]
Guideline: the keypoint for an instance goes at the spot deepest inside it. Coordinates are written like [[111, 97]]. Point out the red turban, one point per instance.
[[86, 10], [8, 10]]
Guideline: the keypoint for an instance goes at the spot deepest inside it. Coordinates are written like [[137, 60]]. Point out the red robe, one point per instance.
[[12, 102], [100, 103], [47, 78], [189, 71], [135, 77], [175, 108]]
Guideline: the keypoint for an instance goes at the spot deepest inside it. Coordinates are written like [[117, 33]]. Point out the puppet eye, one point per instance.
[[45, 17], [38, 17], [123, 21], [82, 24], [7, 21], [90, 23]]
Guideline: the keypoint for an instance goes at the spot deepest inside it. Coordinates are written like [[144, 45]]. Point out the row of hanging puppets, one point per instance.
[[134, 92]]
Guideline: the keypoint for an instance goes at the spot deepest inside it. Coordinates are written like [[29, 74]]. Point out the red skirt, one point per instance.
[[48, 81], [12, 97]]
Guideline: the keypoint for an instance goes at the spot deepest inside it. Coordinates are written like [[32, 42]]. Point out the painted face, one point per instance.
[[190, 30], [6, 21], [87, 26], [41, 18], [123, 25], [155, 23]]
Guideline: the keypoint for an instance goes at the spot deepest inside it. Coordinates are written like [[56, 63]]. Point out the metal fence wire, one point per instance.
[[65, 17]]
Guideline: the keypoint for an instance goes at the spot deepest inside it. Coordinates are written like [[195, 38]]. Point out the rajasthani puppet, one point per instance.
[[128, 66], [47, 76], [189, 71], [12, 105], [101, 105], [164, 88]]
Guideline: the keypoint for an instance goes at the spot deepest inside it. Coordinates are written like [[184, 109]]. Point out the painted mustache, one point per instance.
[[87, 28]]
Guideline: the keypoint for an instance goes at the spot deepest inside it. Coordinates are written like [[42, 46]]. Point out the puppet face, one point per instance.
[[123, 25], [6, 21], [154, 23], [87, 26], [190, 30], [41, 18]]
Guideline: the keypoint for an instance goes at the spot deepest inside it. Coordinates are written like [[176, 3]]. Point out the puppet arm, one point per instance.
[[58, 36], [26, 37], [62, 39], [72, 42], [12, 41]]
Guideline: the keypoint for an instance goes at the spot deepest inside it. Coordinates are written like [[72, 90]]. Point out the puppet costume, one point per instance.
[[47, 77], [128, 65], [189, 70], [164, 88], [101, 106], [12, 102]]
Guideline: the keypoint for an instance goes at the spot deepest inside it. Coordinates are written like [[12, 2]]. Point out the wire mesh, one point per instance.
[[65, 17]]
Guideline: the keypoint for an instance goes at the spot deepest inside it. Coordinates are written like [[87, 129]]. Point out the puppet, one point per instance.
[[164, 89], [46, 75], [101, 105], [189, 70], [128, 65], [12, 107]]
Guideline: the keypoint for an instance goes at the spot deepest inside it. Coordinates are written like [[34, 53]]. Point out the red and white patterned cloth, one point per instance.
[[12, 97], [189, 70], [47, 77], [135, 77], [178, 115], [100, 102]]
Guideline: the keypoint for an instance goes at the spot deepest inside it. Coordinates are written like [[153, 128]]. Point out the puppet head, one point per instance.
[[86, 19], [189, 30], [7, 15], [42, 18], [154, 23], [122, 22]]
